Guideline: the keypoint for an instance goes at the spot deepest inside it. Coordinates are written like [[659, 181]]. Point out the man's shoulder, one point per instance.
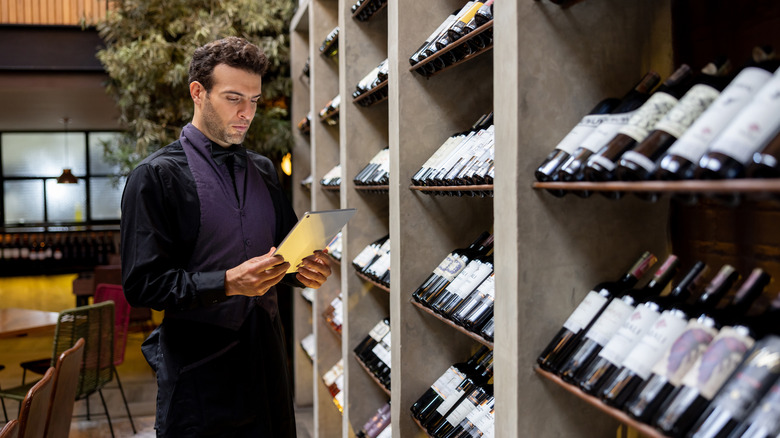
[[172, 154], [259, 159]]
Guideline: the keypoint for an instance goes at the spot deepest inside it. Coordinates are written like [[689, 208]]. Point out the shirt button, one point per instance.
[[248, 242]]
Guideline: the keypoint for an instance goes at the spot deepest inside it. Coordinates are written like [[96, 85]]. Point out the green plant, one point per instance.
[[148, 46]]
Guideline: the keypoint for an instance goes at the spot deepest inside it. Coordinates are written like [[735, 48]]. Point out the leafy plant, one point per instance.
[[148, 47]]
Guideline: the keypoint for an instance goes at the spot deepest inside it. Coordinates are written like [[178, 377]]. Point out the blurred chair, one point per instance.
[[63, 397], [113, 292], [35, 407], [94, 323], [2, 401], [11, 429]]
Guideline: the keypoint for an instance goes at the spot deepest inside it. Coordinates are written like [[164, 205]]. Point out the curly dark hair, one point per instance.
[[232, 51]]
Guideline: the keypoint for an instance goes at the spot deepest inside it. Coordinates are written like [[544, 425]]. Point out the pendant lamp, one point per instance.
[[67, 176]]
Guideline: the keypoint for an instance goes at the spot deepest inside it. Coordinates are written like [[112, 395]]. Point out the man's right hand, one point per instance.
[[255, 276]]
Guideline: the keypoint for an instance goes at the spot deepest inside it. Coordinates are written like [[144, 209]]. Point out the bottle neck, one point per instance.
[[717, 288], [747, 294]]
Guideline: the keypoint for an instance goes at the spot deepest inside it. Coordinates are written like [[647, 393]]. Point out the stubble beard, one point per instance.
[[215, 126]]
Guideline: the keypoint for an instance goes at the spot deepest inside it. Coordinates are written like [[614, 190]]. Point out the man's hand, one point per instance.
[[314, 270], [255, 276]]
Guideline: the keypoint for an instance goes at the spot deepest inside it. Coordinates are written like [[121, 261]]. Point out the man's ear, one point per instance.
[[197, 92]]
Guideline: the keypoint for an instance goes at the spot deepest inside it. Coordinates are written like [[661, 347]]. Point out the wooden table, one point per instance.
[[21, 322]]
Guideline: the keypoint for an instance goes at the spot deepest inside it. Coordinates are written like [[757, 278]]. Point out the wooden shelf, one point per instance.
[[378, 89], [332, 329], [472, 335], [329, 118], [483, 190], [644, 429], [368, 280], [417, 422], [419, 67], [373, 189], [689, 186], [371, 375], [330, 188], [363, 6]]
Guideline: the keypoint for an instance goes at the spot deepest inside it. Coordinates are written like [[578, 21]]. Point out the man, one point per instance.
[[200, 221]]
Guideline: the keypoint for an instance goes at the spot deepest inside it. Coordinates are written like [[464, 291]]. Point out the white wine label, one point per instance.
[[687, 110], [694, 142], [439, 271], [387, 432], [605, 162], [379, 331], [717, 362], [684, 352], [639, 159], [605, 131], [654, 343], [754, 126], [471, 268], [459, 413], [382, 350], [446, 384], [455, 268], [583, 129], [609, 321], [629, 333], [585, 311], [450, 401], [488, 287], [474, 280], [480, 410], [645, 118]]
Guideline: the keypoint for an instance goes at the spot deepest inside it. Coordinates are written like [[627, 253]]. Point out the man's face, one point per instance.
[[228, 109]]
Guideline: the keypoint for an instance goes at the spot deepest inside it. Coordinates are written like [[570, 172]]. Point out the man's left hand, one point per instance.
[[314, 270]]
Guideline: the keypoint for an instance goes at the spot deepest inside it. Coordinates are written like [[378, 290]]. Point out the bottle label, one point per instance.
[[654, 343], [450, 401], [585, 311], [580, 132], [609, 321], [685, 351], [485, 422], [629, 333], [645, 118], [717, 362], [387, 432], [460, 412], [694, 142], [753, 378], [457, 265], [605, 131], [638, 159], [461, 278], [439, 271], [379, 331], [382, 350], [482, 409], [754, 126], [605, 162], [488, 287], [446, 384], [474, 280], [687, 110]]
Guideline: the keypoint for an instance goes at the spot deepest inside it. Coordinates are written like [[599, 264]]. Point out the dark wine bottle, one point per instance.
[[419, 54], [484, 14], [637, 365], [752, 379], [601, 165], [548, 170], [441, 389], [751, 130], [669, 371], [766, 162], [376, 423], [588, 311], [439, 272], [477, 396], [611, 356], [466, 282], [764, 419], [478, 422], [460, 27], [488, 330], [614, 316], [427, 297], [680, 160], [572, 169], [364, 349], [478, 306], [480, 377], [637, 164]]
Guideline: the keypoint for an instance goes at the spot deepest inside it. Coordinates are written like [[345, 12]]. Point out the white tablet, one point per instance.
[[312, 232]]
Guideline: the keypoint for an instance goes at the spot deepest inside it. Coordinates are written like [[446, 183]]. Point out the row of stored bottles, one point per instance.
[[373, 352], [460, 403], [378, 426], [44, 253], [372, 88], [678, 361], [334, 381], [363, 10], [713, 124], [374, 261]]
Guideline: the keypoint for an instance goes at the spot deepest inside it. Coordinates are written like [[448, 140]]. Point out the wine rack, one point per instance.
[[373, 96], [371, 375], [484, 190], [751, 187], [446, 321], [426, 66], [363, 6], [372, 282], [547, 69]]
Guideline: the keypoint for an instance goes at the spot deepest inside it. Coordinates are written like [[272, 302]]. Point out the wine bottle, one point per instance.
[[668, 372], [369, 253], [587, 311], [442, 40], [615, 316], [637, 365], [484, 14], [752, 129], [488, 330], [444, 386], [637, 164], [418, 55], [548, 170], [611, 356], [601, 165], [683, 406], [766, 162], [481, 393], [455, 270], [462, 286], [439, 272], [478, 306], [376, 423], [752, 379], [680, 160], [572, 169], [477, 422], [330, 46], [764, 419], [460, 27], [479, 377], [364, 350], [458, 157]]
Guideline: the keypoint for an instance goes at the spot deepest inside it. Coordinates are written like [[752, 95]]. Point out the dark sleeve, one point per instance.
[[156, 238]]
